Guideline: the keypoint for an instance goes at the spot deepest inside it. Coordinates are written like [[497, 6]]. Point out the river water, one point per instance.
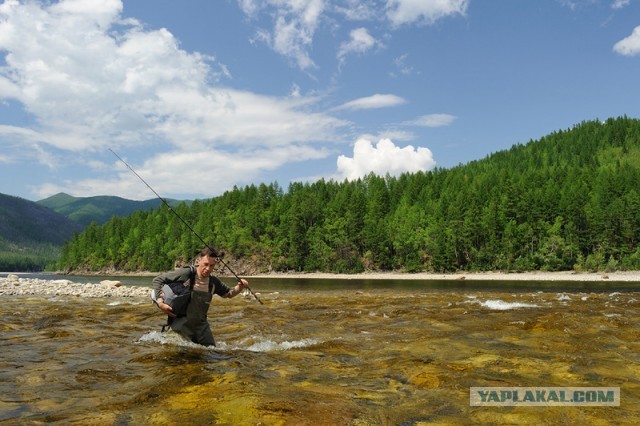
[[324, 353]]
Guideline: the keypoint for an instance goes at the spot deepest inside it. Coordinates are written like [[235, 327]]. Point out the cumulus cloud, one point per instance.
[[360, 41], [89, 79], [401, 12], [385, 157], [629, 46], [373, 101]]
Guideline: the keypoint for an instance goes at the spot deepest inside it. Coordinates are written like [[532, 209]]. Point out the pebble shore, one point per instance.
[[12, 285]]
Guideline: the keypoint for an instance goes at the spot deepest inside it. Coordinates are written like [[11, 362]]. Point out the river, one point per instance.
[[332, 352]]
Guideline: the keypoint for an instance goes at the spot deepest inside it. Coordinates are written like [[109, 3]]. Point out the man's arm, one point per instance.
[[242, 284], [177, 275]]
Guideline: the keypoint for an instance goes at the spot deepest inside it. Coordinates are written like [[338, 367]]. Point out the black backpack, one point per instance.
[[178, 296]]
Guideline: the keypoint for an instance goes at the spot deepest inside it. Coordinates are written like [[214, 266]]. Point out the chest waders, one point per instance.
[[194, 325]]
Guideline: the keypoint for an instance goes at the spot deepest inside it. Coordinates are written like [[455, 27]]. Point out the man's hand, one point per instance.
[[243, 283], [166, 309]]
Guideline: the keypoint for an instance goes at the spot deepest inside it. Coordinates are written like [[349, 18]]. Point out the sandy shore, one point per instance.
[[13, 285]]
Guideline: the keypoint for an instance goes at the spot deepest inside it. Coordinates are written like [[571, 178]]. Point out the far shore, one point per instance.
[[13, 284], [478, 276]]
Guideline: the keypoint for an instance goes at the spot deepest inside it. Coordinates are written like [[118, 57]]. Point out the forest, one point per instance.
[[568, 201]]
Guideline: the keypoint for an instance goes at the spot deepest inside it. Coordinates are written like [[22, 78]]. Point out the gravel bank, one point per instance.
[[13, 285]]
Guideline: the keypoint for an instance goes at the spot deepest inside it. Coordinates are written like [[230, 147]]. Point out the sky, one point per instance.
[[199, 96]]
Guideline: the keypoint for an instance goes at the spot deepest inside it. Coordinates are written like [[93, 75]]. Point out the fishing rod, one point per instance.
[[187, 225]]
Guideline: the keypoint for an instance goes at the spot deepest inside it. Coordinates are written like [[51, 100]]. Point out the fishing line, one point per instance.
[[186, 224]]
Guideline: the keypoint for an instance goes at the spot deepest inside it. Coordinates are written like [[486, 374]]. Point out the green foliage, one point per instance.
[[31, 257], [100, 209], [30, 235], [568, 200]]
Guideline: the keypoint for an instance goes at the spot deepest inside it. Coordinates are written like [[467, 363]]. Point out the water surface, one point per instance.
[[340, 354]]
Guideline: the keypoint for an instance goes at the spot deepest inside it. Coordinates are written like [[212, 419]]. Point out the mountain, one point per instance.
[[84, 210], [31, 234], [570, 200]]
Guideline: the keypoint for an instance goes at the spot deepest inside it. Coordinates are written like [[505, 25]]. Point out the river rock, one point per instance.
[[111, 283]]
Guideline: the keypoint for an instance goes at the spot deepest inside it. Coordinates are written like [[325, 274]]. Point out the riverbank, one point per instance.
[[12, 285], [626, 276]]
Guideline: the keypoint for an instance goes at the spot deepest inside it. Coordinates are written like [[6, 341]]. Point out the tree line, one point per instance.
[[567, 201]]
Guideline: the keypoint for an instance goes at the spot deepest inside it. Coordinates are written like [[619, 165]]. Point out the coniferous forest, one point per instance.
[[567, 201]]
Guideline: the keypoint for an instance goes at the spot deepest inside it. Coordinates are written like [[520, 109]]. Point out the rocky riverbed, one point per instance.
[[14, 286]]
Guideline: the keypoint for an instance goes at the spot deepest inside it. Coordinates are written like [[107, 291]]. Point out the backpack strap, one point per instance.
[[192, 277]]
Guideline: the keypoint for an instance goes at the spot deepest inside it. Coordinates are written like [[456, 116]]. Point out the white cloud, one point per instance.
[[433, 120], [629, 46], [373, 101], [360, 41], [385, 157], [84, 83], [295, 23], [182, 172], [393, 134], [401, 12], [249, 7], [401, 65], [357, 10], [90, 80], [19, 132], [620, 4]]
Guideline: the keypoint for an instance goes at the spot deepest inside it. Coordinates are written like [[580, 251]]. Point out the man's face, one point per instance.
[[206, 266]]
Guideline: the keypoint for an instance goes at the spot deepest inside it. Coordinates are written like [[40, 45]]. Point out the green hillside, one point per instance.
[[30, 234], [84, 210], [570, 200]]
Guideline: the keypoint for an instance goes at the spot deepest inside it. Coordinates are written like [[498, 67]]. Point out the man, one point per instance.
[[194, 325]]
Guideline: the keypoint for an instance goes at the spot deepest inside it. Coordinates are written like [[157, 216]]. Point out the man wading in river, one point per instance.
[[193, 324]]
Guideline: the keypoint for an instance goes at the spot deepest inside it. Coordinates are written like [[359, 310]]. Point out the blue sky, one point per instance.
[[202, 95]]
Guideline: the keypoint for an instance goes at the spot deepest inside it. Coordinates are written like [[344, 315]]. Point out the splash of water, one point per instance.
[[254, 344], [261, 344], [501, 305]]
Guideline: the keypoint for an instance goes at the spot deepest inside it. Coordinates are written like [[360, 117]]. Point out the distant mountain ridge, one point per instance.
[[24, 221], [31, 234], [84, 210]]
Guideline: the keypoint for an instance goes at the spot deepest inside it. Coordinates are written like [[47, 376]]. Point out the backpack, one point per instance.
[[178, 296]]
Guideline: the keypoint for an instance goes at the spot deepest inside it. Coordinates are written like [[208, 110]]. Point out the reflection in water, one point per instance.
[[369, 356]]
